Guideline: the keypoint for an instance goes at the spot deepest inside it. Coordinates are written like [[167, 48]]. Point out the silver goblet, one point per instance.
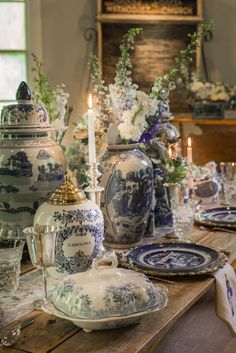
[[41, 241]]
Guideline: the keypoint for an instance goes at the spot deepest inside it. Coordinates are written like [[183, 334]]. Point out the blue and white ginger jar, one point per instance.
[[127, 178], [82, 228], [32, 164]]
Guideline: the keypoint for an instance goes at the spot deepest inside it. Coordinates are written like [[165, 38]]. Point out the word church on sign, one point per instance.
[[155, 7]]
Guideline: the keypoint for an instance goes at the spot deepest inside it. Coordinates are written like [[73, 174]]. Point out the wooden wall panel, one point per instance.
[[216, 143], [155, 50]]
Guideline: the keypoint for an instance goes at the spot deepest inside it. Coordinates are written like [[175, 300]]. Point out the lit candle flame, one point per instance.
[[189, 142], [90, 101]]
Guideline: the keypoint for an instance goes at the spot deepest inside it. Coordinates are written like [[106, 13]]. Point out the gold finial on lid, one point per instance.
[[67, 194]]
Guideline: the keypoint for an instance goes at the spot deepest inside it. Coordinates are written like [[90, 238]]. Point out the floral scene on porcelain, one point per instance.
[[127, 175], [31, 163], [118, 292], [81, 228]]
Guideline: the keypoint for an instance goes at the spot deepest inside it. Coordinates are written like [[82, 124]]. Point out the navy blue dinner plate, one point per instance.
[[173, 257]]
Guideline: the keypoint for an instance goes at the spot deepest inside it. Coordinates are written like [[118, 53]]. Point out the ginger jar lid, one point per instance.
[[67, 194], [24, 114]]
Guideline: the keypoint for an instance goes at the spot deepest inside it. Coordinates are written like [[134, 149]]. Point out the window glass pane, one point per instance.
[[12, 72], [12, 25]]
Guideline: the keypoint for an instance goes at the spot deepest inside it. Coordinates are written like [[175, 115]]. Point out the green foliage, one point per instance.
[[176, 170], [168, 82], [77, 162], [124, 66], [43, 93], [99, 87]]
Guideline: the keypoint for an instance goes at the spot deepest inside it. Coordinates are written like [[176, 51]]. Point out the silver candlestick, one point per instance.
[[94, 191]]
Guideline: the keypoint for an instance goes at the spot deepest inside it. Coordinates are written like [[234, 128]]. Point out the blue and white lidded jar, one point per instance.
[[32, 164], [82, 227]]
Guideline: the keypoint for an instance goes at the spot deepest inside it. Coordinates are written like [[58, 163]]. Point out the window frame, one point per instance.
[[19, 51]]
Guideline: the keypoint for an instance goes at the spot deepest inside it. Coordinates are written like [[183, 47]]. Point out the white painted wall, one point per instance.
[[221, 51], [64, 49]]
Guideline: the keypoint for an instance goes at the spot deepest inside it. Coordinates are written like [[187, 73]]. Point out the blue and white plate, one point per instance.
[[220, 216], [179, 258]]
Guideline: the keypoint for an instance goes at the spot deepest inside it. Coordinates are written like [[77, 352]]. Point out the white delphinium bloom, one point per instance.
[[57, 125], [196, 86], [60, 103], [134, 121]]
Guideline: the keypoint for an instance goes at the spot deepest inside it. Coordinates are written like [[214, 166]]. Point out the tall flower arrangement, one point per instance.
[[122, 103], [135, 113], [127, 113]]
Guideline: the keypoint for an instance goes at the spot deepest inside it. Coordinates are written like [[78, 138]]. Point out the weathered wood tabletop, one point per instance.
[[51, 334]]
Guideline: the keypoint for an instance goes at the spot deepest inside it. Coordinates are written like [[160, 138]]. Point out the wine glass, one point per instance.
[[41, 241]]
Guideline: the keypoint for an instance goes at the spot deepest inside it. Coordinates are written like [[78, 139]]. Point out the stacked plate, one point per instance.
[[175, 259], [224, 217]]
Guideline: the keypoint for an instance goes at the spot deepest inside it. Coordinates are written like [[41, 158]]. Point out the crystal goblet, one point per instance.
[[183, 218], [183, 209], [10, 261], [41, 241], [228, 177]]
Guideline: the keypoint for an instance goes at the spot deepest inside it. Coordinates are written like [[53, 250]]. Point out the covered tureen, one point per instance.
[[106, 296]]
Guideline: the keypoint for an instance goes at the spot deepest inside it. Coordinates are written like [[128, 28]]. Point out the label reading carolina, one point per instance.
[[74, 243]]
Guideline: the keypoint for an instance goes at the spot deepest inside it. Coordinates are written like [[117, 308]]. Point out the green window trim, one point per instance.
[[14, 52]]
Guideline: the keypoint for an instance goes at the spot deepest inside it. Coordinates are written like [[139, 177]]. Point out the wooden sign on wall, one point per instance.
[[157, 7]]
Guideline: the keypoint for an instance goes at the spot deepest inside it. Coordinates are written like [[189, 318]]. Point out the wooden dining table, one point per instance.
[[48, 333]]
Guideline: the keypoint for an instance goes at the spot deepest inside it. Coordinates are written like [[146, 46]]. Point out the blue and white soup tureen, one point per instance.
[[31, 163], [120, 297], [82, 227]]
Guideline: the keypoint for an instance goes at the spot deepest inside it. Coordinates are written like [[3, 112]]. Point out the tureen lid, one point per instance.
[[24, 114], [67, 194], [106, 291]]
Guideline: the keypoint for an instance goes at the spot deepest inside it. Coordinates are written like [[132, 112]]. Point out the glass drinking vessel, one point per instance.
[[183, 208], [228, 177], [183, 219], [10, 260], [41, 241]]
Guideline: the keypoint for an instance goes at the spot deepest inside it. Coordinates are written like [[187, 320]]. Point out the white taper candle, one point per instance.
[[189, 151], [91, 134]]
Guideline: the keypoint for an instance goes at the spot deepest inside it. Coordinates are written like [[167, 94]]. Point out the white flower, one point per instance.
[[221, 96], [57, 125], [60, 103], [212, 91], [196, 86]]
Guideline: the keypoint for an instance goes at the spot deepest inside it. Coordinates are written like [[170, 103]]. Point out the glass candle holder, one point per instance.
[[10, 260]]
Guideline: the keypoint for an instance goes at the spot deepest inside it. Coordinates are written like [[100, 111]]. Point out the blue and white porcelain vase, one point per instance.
[[82, 228], [127, 177], [31, 163], [162, 210]]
